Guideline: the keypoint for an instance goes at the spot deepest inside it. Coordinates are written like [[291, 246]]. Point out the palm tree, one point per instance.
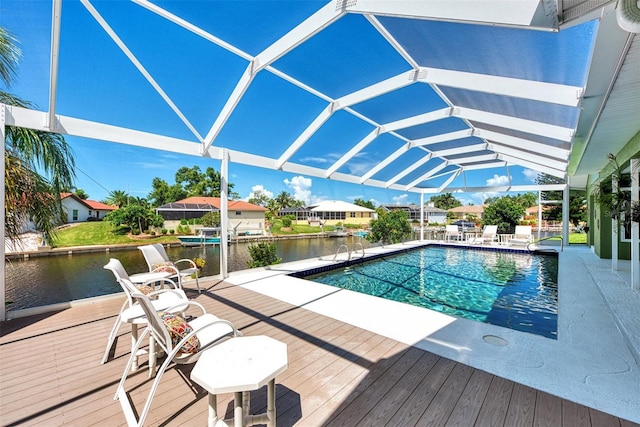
[[284, 200], [118, 198], [28, 194]]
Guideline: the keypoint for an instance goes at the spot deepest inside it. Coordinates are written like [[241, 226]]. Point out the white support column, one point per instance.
[[539, 213], [421, 217], [615, 185], [565, 215], [3, 313], [635, 227], [224, 213]]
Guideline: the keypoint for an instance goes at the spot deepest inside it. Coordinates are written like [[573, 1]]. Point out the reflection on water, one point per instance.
[[48, 280]]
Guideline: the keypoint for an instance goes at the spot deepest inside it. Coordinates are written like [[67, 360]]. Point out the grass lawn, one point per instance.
[[101, 233], [574, 238], [578, 238]]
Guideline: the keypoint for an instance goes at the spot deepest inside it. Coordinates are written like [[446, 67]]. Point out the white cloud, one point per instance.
[[401, 199], [259, 188], [530, 174], [301, 187], [314, 160], [498, 180]]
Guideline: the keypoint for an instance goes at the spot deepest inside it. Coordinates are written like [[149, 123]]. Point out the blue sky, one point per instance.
[[97, 82]]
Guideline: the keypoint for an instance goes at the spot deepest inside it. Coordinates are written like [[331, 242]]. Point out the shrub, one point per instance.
[[164, 231], [183, 222], [172, 231], [152, 233], [286, 222], [263, 254]]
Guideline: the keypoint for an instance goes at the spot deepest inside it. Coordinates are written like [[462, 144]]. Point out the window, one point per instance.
[[352, 214], [75, 214], [238, 213]]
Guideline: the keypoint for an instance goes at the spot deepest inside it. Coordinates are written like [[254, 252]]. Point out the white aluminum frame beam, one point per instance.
[[386, 162], [513, 13], [306, 134], [405, 172], [427, 175], [512, 141], [449, 181], [461, 150], [53, 66], [461, 161], [355, 150], [523, 125], [443, 137], [556, 164], [497, 163], [506, 86], [535, 166], [420, 119]]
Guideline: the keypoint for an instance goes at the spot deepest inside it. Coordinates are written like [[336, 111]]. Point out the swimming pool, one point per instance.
[[510, 289]]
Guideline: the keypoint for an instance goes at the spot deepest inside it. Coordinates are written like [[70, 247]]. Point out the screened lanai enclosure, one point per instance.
[[418, 96]]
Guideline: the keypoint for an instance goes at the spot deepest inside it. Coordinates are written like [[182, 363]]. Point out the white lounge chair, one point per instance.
[[158, 260], [132, 313], [452, 231], [188, 342], [522, 235], [489, 234]]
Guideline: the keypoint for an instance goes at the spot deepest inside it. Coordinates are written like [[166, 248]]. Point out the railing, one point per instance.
[[349, 251], [338, 251], [548, 238], [361, 248]]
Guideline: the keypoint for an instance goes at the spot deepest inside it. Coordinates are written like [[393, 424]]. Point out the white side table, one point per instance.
[[237, 366]]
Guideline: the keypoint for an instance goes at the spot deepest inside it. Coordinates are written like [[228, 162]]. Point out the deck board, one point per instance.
[[338, 374]]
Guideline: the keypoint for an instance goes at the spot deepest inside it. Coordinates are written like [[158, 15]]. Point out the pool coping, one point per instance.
[[592, 362]]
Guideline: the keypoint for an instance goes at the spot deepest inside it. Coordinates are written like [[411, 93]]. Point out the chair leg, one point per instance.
[[154, 387], [113, 334], [112, 338]]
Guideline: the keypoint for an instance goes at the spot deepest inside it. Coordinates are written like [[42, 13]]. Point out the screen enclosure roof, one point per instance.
[[420, 96]]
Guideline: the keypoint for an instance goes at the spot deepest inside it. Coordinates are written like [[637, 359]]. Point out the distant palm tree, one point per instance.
[[118, 198], [28, 194], [284, 200]]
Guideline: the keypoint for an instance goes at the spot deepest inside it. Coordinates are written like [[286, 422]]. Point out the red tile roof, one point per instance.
[[237, 205], [92, 204]]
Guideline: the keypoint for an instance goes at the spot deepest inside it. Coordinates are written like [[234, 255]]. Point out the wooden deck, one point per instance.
[[338, 375]]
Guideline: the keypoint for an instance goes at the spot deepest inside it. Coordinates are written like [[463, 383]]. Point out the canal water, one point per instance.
[[39, 281]]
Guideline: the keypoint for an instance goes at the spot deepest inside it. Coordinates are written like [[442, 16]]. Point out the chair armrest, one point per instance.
[[233, 332], [186, 304]]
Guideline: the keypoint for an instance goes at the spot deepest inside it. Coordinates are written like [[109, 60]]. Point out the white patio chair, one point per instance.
[[522, 235], [489, 234], [190, 340], [158, 260], [132, 313], [452, 231]]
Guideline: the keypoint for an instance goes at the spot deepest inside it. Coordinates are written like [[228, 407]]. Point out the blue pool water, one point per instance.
[[515, 290]]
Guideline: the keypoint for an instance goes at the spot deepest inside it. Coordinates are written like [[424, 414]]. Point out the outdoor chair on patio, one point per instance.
[[132, 313], [452, 231], [182, 342], [489, 234], [158, 260], [522, 235]]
